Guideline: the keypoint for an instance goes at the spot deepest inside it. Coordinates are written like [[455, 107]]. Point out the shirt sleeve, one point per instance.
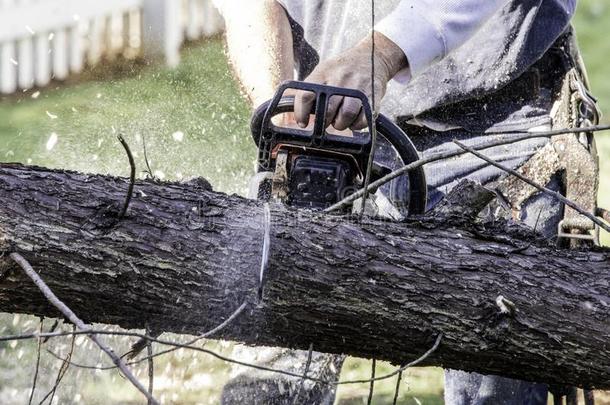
[[427, 30]]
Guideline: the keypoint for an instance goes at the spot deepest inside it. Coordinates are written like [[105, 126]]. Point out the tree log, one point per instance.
[[184, 258]]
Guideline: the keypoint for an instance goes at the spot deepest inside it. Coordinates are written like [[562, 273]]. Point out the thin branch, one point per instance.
[[397, 389], [307, 364], [372, 384], [52, 329], [39, 344], [278, 371], [48, 335], [518, 136], [205, 335], [143, 337], [63, 368], [415, 362], [151, 365], [149, 170], [561, 131], [132, 176], [532, 183], [67, 312]]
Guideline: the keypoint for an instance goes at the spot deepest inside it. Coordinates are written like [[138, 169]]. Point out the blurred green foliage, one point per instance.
[[592, 22]]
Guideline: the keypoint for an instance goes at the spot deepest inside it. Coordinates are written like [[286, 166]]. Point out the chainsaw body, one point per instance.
[[312, 168]]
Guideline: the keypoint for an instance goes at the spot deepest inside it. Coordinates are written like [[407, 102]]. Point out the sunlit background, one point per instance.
[[192, 121]]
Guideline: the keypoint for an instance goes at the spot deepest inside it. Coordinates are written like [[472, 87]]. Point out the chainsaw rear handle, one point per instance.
[[264, 133]]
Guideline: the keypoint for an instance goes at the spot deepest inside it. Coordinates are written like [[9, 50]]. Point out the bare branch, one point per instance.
[[560, 131], [148, 169], [63, 368], [397, 389], [516, 136], [275, 370], [205, 335], [132, 176], [372, 383], [307, 364], [37, 363], [151, 370], [67, 312], [177, 345]]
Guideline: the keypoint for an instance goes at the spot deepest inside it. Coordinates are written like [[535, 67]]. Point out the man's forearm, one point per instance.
[[259, 43]]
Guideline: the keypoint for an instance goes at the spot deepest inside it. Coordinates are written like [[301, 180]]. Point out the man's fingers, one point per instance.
[[348, 113], [303, 102], [334, 104], [360, 122]]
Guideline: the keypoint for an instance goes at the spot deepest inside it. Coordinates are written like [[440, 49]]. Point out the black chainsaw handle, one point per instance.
[[284, 105], [263, 128]]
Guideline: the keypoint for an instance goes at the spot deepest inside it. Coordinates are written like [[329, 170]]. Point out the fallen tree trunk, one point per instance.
[[184, 258]]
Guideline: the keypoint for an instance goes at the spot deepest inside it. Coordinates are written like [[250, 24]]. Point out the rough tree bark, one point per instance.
[[185, 257]]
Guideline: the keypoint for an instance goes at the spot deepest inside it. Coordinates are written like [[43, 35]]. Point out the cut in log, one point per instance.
[[184, 258]]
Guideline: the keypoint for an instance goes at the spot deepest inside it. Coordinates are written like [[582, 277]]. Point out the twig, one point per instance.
[[561, 131], [37, 364], [307, 364], [520, 136], [532, 183], [67, 312], [52, 329], [397, 388], [63, 368], [274, 370], [372, 384], [151, 370], [218, 356], [205, 335], [149, 170], [399, 370], [49, 335], [132, 176]]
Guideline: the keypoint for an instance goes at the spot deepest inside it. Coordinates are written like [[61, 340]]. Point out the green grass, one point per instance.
[[200, 101]]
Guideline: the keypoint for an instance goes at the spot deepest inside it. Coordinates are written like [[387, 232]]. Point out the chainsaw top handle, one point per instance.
[[262, 127], [266, 135]]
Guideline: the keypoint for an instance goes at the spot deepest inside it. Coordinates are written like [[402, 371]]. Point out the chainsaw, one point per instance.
[[315, 167]]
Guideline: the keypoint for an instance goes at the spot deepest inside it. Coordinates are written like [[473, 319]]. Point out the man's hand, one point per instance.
[[352, 69]]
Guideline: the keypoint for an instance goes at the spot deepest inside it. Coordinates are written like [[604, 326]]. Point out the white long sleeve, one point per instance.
[[427, 30]]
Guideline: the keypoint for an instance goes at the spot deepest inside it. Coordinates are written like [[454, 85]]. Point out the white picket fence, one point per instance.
[[42, 40]]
